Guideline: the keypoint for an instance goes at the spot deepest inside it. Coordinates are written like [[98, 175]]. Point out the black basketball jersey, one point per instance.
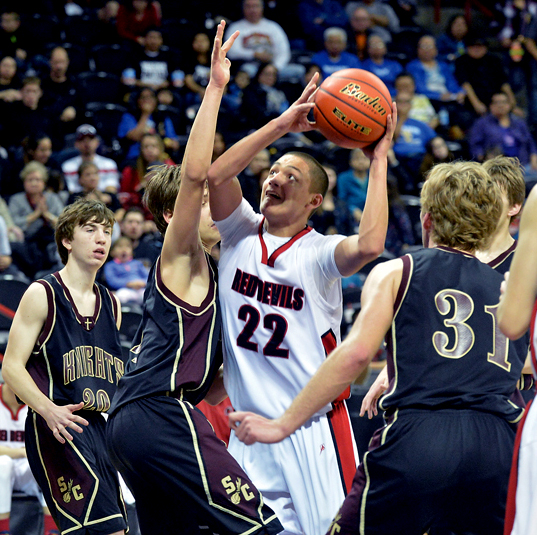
[[77, 358], [445, 349], [176, 348], [502, 263]]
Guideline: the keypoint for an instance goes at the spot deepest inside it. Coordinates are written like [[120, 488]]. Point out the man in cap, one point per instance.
[[87, 142]]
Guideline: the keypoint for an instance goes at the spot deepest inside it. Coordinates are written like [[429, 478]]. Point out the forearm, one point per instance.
[[196, 162], [138, 131], [331, 379], [237, 157], [374, 220], [14, 453]]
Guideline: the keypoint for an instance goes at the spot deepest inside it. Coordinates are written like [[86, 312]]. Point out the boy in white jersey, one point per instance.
[[281, 304], [516, 313]]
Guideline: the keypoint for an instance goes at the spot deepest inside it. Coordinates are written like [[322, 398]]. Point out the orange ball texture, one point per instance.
[[352, 107]]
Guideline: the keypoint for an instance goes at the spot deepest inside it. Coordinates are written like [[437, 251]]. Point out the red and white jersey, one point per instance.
[[282, 305], [12, 424]]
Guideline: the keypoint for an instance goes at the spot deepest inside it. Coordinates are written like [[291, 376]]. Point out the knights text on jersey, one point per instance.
[[281, 306], [77, 358]]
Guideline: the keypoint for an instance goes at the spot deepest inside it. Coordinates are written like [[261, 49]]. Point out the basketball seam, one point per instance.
[[347, 104]]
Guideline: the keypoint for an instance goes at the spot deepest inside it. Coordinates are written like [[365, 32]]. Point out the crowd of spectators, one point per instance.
[[95, 92]]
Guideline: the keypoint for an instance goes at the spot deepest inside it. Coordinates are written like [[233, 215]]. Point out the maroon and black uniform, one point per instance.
[[76, 359], [180, 473], [443, 459]]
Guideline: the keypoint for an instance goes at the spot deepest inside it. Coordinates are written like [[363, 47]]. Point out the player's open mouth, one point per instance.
[[99, 251], [273, 195]]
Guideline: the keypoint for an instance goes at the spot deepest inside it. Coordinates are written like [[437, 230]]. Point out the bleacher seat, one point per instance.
[[101, 87], [44, 29], [109, 58], [105, 118], [81, 30]]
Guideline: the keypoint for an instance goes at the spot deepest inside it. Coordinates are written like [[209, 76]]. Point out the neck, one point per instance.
[[500, 243], [79, 278]]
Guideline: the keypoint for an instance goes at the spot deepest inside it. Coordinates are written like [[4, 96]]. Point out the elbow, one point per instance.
[[215, 175], [511, 331]]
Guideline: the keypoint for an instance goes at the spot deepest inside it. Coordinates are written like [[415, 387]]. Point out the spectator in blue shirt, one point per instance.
[[334, 57], [435, 79], [126, 276], [143, 120], [410, 141], [451, 43], [386, 69], [352, 184]]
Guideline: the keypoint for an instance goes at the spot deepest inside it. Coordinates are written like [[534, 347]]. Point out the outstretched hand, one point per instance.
[[61, 418], [251, 428], [382, 146], [220, 64], [295, 118]]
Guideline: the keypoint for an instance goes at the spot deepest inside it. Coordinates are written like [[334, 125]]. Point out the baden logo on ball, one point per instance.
[[351, 108]]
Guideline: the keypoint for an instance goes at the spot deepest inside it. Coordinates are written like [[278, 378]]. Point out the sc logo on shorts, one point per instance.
[[236, 489], [68, 490]]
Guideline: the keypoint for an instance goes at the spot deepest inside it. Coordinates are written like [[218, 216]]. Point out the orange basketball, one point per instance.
[[352, 107]]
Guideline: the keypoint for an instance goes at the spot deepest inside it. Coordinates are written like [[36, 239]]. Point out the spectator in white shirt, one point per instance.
[[260, 41], [87, 142]]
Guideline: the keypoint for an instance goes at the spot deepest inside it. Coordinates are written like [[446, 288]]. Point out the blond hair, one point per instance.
[[509, 175], [464, 203]]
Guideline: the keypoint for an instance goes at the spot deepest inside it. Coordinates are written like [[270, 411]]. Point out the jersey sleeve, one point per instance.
[[242, 222]]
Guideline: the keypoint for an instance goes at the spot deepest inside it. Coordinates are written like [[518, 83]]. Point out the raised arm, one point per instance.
[[224, 188], [182, 235], [355, 251], [520, 288], [340, 369], [25, 329]]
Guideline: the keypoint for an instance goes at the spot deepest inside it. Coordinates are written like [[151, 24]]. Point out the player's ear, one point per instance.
[[67, 244], [167, 214], [514, 210], [316, 200]]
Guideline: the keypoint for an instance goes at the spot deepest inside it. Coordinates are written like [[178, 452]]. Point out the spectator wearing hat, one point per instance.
[[87, 142]]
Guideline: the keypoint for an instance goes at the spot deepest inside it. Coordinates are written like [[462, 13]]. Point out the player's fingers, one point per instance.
[[227, 45], [235, 418], [58, 436], [67, 435]]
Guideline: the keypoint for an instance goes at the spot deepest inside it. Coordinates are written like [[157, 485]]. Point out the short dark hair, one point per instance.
[[78, 214]]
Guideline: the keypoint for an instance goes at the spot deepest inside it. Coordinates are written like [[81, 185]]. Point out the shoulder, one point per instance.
[[35, 299]]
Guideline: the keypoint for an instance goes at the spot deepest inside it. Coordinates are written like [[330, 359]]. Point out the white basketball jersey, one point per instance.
[[282, 304], [12, 424]]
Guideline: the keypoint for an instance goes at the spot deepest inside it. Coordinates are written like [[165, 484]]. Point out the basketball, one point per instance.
[[352, 107]]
